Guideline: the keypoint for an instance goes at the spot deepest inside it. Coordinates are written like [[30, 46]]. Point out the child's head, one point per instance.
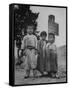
[[43, 35], [30, 29], [51, 37]]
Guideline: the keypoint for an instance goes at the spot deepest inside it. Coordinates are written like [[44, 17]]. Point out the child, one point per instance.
[[41, 66], [29, 46], [51, 64]]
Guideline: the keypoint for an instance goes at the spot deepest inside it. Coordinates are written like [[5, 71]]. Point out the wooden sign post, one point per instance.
[[53, 27]]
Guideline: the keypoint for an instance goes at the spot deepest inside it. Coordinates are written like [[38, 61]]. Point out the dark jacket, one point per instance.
[[41, 60]]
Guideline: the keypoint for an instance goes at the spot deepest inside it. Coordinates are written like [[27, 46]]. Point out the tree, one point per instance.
[[22, 17]]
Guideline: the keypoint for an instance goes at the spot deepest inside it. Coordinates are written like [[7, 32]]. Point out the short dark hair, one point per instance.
[[43, 33], [52, 34]]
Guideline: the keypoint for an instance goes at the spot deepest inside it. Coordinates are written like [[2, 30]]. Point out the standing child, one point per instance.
[[29, 46], [41, 66], [51, 64]]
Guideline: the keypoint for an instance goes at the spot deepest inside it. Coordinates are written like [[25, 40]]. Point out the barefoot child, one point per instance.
[[41, 66], [51, 64], [29, 46]]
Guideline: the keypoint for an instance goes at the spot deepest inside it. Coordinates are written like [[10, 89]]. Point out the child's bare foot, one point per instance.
[[55, 76]]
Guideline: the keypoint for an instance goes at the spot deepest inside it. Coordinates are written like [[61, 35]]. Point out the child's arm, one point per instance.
[[47, 49], [55, 49], [47, 46], [36, 46], [36, 42], [22, 47]]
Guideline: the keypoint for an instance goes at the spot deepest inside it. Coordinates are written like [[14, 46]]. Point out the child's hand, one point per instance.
[[20, 53], [24, 52]]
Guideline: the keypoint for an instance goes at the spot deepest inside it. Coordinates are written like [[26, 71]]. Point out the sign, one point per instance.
[[53, 28]]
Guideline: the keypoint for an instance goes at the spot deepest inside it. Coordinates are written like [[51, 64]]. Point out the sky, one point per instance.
[[60, 18]]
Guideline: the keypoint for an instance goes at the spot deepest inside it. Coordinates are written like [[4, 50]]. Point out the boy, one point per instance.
[[29, 46], [51, 64], [41, 66]]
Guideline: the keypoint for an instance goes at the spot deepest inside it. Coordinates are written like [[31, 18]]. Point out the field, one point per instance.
[[20, 73]]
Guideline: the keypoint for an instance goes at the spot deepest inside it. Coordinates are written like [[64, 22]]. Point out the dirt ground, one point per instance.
[[20, 73], [19, 79]]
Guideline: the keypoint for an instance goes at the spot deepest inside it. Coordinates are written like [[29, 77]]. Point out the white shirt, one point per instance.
[[29, 40]]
